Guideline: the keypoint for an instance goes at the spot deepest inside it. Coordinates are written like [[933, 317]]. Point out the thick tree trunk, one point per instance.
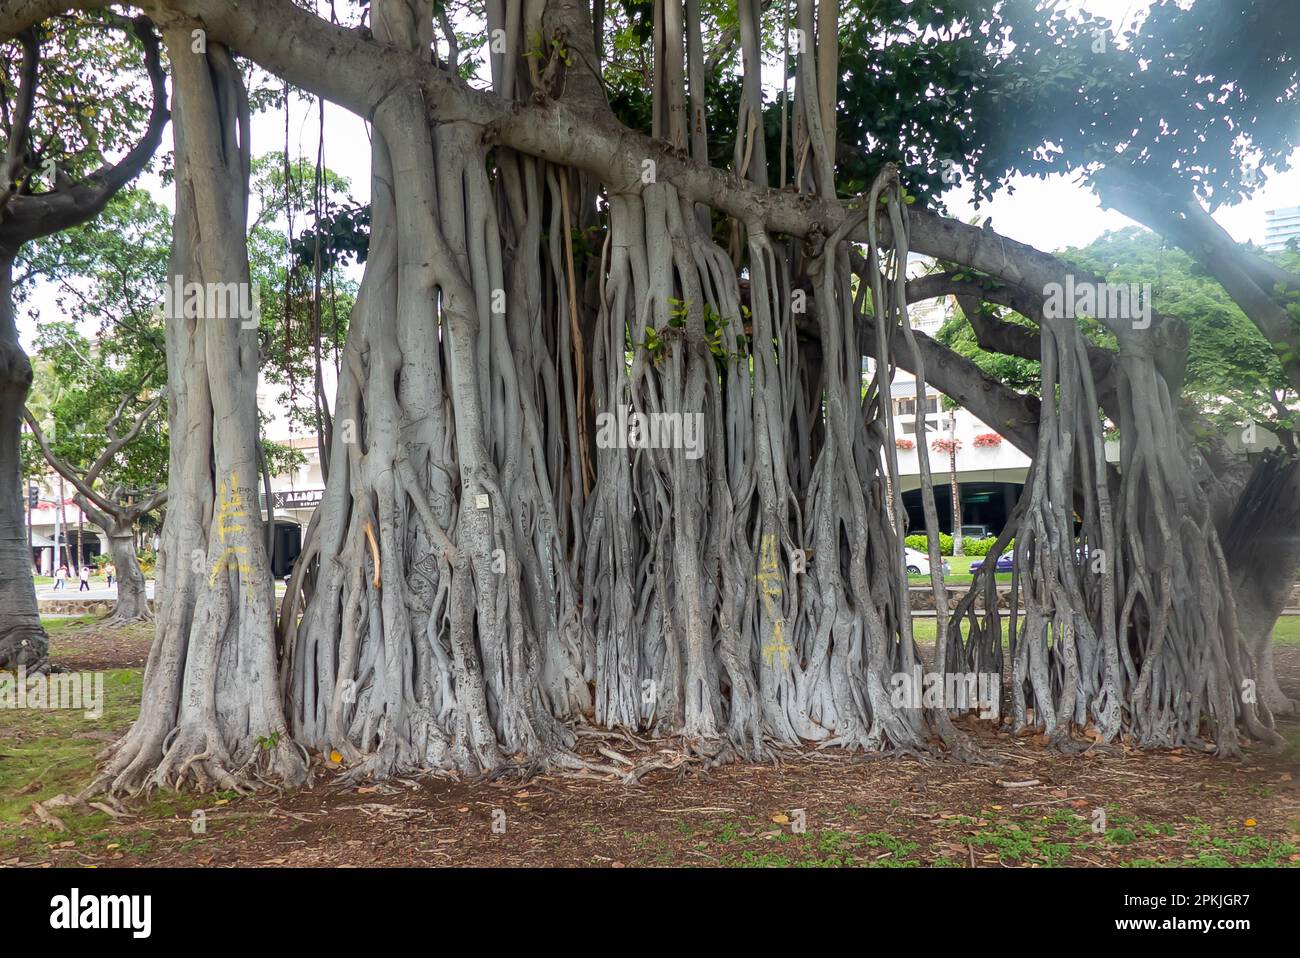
[[132, 595], [1262, 548], [463, 592], [211, 712], [132, 599], [23, 641], [27, 217]]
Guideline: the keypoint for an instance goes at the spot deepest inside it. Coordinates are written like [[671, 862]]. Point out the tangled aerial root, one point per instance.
[[477, 580]]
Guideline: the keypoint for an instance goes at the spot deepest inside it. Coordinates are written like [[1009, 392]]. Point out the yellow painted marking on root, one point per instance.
[[769, 587], [231, 515], [777, 646], [230, 511]]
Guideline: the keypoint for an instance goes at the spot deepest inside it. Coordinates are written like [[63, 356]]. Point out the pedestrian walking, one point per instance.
[[84, 573]]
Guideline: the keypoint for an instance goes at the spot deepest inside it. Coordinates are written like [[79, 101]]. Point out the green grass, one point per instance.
[[749, 843], [47, 751], [1043, 838], [61, 625], [960, 573], [1287, 630], [923, 628]]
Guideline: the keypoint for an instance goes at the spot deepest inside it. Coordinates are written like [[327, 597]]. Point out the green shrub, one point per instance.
[[919, 543], [970, 547], [982, 547]]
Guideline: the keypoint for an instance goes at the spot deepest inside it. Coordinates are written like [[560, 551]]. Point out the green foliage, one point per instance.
[[654, 345], [982, 547], [921, 544], [715, 332], [970, 547], [910, 75], [106, 274], [1233, 375], [1165, 104], [285, 274], [1021, 375], [92, 102]]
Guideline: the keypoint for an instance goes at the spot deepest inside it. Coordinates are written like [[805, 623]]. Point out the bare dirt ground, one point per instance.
[[78, 644], [1103, 807]]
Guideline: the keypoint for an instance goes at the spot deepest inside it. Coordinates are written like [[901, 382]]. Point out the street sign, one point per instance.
[[297, 498]]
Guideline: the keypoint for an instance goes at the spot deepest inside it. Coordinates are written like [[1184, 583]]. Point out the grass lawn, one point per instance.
[[44, 753], [58, 625], [960, 573], [1287, 630], [923, 628]]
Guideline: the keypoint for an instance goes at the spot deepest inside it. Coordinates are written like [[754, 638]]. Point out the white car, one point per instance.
[[918, 563]]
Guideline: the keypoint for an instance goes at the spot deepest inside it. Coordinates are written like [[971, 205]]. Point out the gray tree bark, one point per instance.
[[211, 714], [25, 216], [471, 597], [22, 639]]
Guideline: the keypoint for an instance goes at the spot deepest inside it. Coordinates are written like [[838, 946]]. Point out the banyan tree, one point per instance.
[[495, 572]]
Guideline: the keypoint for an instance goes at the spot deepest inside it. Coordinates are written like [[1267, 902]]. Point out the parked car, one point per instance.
[[918, 563], [975, 532], [1003, 564]]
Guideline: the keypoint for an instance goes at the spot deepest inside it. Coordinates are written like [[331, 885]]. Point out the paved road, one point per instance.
[[100, 591], [96, 591]]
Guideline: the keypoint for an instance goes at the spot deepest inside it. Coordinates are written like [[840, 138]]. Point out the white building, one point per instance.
[[990, 470], [79, 539], [294, 493], [1280, 226]]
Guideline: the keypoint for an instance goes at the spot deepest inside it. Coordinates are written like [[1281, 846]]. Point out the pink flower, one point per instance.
[[945, 445]]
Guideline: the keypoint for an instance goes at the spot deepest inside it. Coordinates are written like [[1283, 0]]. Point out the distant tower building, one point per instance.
[[1280, 226]]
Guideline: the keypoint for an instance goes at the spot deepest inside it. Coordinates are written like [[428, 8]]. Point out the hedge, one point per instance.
[[920, 544], [970, 547], [982, 547]]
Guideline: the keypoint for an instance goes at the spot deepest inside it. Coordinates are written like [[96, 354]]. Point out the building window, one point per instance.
[[931, 425], [907, 407]]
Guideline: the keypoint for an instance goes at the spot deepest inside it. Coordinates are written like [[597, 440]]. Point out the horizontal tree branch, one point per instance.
[[1248, 279], [350, 68], [28, 217]]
